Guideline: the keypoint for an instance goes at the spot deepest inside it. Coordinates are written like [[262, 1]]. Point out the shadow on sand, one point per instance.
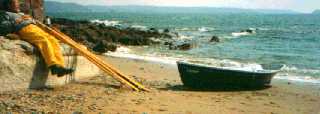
[[40, 74], [214, 89], [99, 84]]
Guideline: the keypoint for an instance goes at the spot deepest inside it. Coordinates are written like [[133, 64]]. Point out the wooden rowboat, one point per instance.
[[206, 76]]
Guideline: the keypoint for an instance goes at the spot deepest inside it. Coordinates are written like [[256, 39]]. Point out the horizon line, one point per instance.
[[292, 10]]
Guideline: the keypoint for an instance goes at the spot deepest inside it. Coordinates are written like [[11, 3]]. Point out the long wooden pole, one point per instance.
[[109, 67], [97, 62], [94, 59]]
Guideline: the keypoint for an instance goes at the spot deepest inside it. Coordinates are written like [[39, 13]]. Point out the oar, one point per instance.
[[94, 59], [109, 67]]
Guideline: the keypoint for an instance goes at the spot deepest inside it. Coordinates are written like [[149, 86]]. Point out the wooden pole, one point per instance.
[[94, 59]]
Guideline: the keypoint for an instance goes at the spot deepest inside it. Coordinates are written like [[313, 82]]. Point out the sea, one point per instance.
[[292, 40]]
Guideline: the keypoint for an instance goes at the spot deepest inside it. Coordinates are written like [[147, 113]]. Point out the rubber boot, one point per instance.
[[60, 71]]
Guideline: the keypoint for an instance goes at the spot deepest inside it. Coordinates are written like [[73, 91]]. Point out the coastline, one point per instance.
[[103, 94]]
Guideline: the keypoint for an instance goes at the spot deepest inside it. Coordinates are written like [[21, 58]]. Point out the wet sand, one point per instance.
[[168, 96]]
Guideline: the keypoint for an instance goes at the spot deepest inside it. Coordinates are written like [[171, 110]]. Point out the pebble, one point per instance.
[[163, 110], [272, 102]]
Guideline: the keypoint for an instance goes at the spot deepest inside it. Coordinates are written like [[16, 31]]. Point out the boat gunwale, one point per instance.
[[231, 70]]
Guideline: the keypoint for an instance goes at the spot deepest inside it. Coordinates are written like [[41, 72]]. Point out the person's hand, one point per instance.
[[23, 18], [26, 17], [13, 36]]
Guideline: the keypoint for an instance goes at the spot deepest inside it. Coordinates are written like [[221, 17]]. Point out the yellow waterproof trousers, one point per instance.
[[46, 43]]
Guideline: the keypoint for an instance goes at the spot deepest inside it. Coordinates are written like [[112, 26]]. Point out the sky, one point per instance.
[[305, 6]]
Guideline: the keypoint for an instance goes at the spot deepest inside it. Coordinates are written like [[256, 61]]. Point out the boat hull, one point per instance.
[[198, 76]]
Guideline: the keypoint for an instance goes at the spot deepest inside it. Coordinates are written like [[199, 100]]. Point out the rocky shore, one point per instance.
[[101, 38]]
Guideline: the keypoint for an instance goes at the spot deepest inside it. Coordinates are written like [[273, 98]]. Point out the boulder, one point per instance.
[[180, 46], [168, 43], [166, 30], [153, 30], [214, 39], [250, 31], [22, 67], [104, 46], [18, 67]]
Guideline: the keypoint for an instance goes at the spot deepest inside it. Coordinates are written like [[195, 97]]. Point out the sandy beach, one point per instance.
[[104, 95]]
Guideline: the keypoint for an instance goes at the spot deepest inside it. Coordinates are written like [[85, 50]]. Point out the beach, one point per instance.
[[104, 95], [144, 40]]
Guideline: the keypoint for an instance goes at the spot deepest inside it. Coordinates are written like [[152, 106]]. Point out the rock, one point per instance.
[[104, 46], [181, 46], [161, 110], [16, 65], [214, 39], [166, 30], [168, 43], [272, 102], [95, 36], [153, 30], [248, 31], [22, 67], [141, 68]]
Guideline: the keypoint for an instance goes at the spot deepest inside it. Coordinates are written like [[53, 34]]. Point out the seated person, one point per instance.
[[13, 22]]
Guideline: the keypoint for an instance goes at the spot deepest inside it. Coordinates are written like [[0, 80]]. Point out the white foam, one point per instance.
[[229, 64], [139, 27], [123, 49], [307, 79], [263, 29], [205, 29], [106, 22], [237, 34], [252, 67], [124, 52], [253, 29], [184, 29], [183, 37], [295, 69]]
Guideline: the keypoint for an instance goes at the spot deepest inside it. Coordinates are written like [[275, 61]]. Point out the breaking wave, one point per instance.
[[106, 22]]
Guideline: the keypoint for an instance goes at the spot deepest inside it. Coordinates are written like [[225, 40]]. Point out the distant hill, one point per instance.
[[316, 12], [204, 10], [57, 7], [71, 7]]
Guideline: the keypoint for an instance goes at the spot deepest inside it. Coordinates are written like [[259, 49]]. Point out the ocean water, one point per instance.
[[292, 40]]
